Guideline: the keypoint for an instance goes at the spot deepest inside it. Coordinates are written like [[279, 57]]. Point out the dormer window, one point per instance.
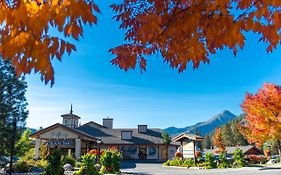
[[126, 135], [142, 128]]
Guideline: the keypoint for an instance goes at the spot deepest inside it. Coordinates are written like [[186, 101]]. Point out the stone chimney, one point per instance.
[[108, 122]]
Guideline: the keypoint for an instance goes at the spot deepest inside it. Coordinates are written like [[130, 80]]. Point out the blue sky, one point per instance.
[[159, 97]]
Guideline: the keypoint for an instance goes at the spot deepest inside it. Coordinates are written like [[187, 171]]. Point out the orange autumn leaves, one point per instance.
[[218, 142], [26, 39], [188, 31], [263, 120], [183, 32]]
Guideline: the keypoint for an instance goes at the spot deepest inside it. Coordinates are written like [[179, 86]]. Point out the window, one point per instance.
[[142, 128], [126, 135]]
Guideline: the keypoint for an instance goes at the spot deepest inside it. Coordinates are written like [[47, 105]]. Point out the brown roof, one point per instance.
[[187, 136], [231, 150]]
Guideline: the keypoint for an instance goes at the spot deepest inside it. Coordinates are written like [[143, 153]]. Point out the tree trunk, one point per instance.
[[279, 148], [13, 141]]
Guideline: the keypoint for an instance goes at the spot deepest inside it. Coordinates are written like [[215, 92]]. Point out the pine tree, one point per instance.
[[166, 138], [237, 136], [206, 143], [12, 105], [227, 135]]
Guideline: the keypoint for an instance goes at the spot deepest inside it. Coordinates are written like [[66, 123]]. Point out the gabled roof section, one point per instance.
[[113, 136], [245, 149], [231, 150], [57, 125], [185, 136], [91, 123]]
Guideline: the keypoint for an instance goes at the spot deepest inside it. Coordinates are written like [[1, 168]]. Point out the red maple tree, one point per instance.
[[263, 115], [217, 141], [183, 32]]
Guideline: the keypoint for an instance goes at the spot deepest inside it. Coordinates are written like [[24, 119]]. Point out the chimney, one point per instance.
[[142, 128], [108, 122]]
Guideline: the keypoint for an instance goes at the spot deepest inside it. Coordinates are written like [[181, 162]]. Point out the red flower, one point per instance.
[[113, 149], [178, 155], [93, 151], [198, 154]]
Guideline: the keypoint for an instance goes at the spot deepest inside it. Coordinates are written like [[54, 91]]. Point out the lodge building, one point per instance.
[[134, 143]]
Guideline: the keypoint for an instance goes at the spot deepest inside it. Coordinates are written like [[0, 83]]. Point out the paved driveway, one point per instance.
[[157, 169]]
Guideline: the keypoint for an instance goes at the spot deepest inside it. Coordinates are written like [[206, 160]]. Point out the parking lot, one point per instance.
[[157, 169]]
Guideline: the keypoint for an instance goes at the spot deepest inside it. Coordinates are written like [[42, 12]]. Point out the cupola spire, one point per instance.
[[71, 111]]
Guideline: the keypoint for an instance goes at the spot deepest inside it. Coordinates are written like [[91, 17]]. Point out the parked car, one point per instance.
[[275, 157], [5, 160]]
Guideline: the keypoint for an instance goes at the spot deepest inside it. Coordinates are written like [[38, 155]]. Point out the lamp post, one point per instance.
[[98, 156]]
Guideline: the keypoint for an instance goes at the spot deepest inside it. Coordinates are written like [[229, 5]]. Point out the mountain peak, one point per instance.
[[227, 112], [205, 127]]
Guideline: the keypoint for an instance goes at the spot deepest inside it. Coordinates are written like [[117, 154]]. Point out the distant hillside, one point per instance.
[[204, 127]]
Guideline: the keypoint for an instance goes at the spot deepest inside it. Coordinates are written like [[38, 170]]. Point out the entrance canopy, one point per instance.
[[186, 136]]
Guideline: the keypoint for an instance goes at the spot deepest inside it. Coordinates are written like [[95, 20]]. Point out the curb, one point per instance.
[[177, 167]]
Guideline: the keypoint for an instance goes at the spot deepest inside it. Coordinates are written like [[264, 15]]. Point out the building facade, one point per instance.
[[188, 144], [134, 143]]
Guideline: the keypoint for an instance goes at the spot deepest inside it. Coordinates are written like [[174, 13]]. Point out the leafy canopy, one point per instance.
[[217, 141], [26, 37], [181, 31], [263, 120]]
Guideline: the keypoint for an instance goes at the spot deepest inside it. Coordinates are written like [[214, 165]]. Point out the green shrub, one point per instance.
[[110, 160], [68, 159], [29, 159], [54, 163], [116, 160], [210, 161], [202, 164], [106, 162], [179, 162], [88, 162], [223, 163], [238, 157], [21, 167], [188, 163]]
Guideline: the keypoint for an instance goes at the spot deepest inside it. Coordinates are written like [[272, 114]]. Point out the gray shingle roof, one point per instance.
[[113, 136], [231, 150]]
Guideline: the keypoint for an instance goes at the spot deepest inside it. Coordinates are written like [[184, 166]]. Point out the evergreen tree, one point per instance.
[[227, 136], [207, 143], [166, 138], [12, 105], [237, 136]]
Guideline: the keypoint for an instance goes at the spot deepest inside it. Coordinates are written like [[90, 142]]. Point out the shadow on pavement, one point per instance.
[[128, 165], [271, 168], [136, 173]]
